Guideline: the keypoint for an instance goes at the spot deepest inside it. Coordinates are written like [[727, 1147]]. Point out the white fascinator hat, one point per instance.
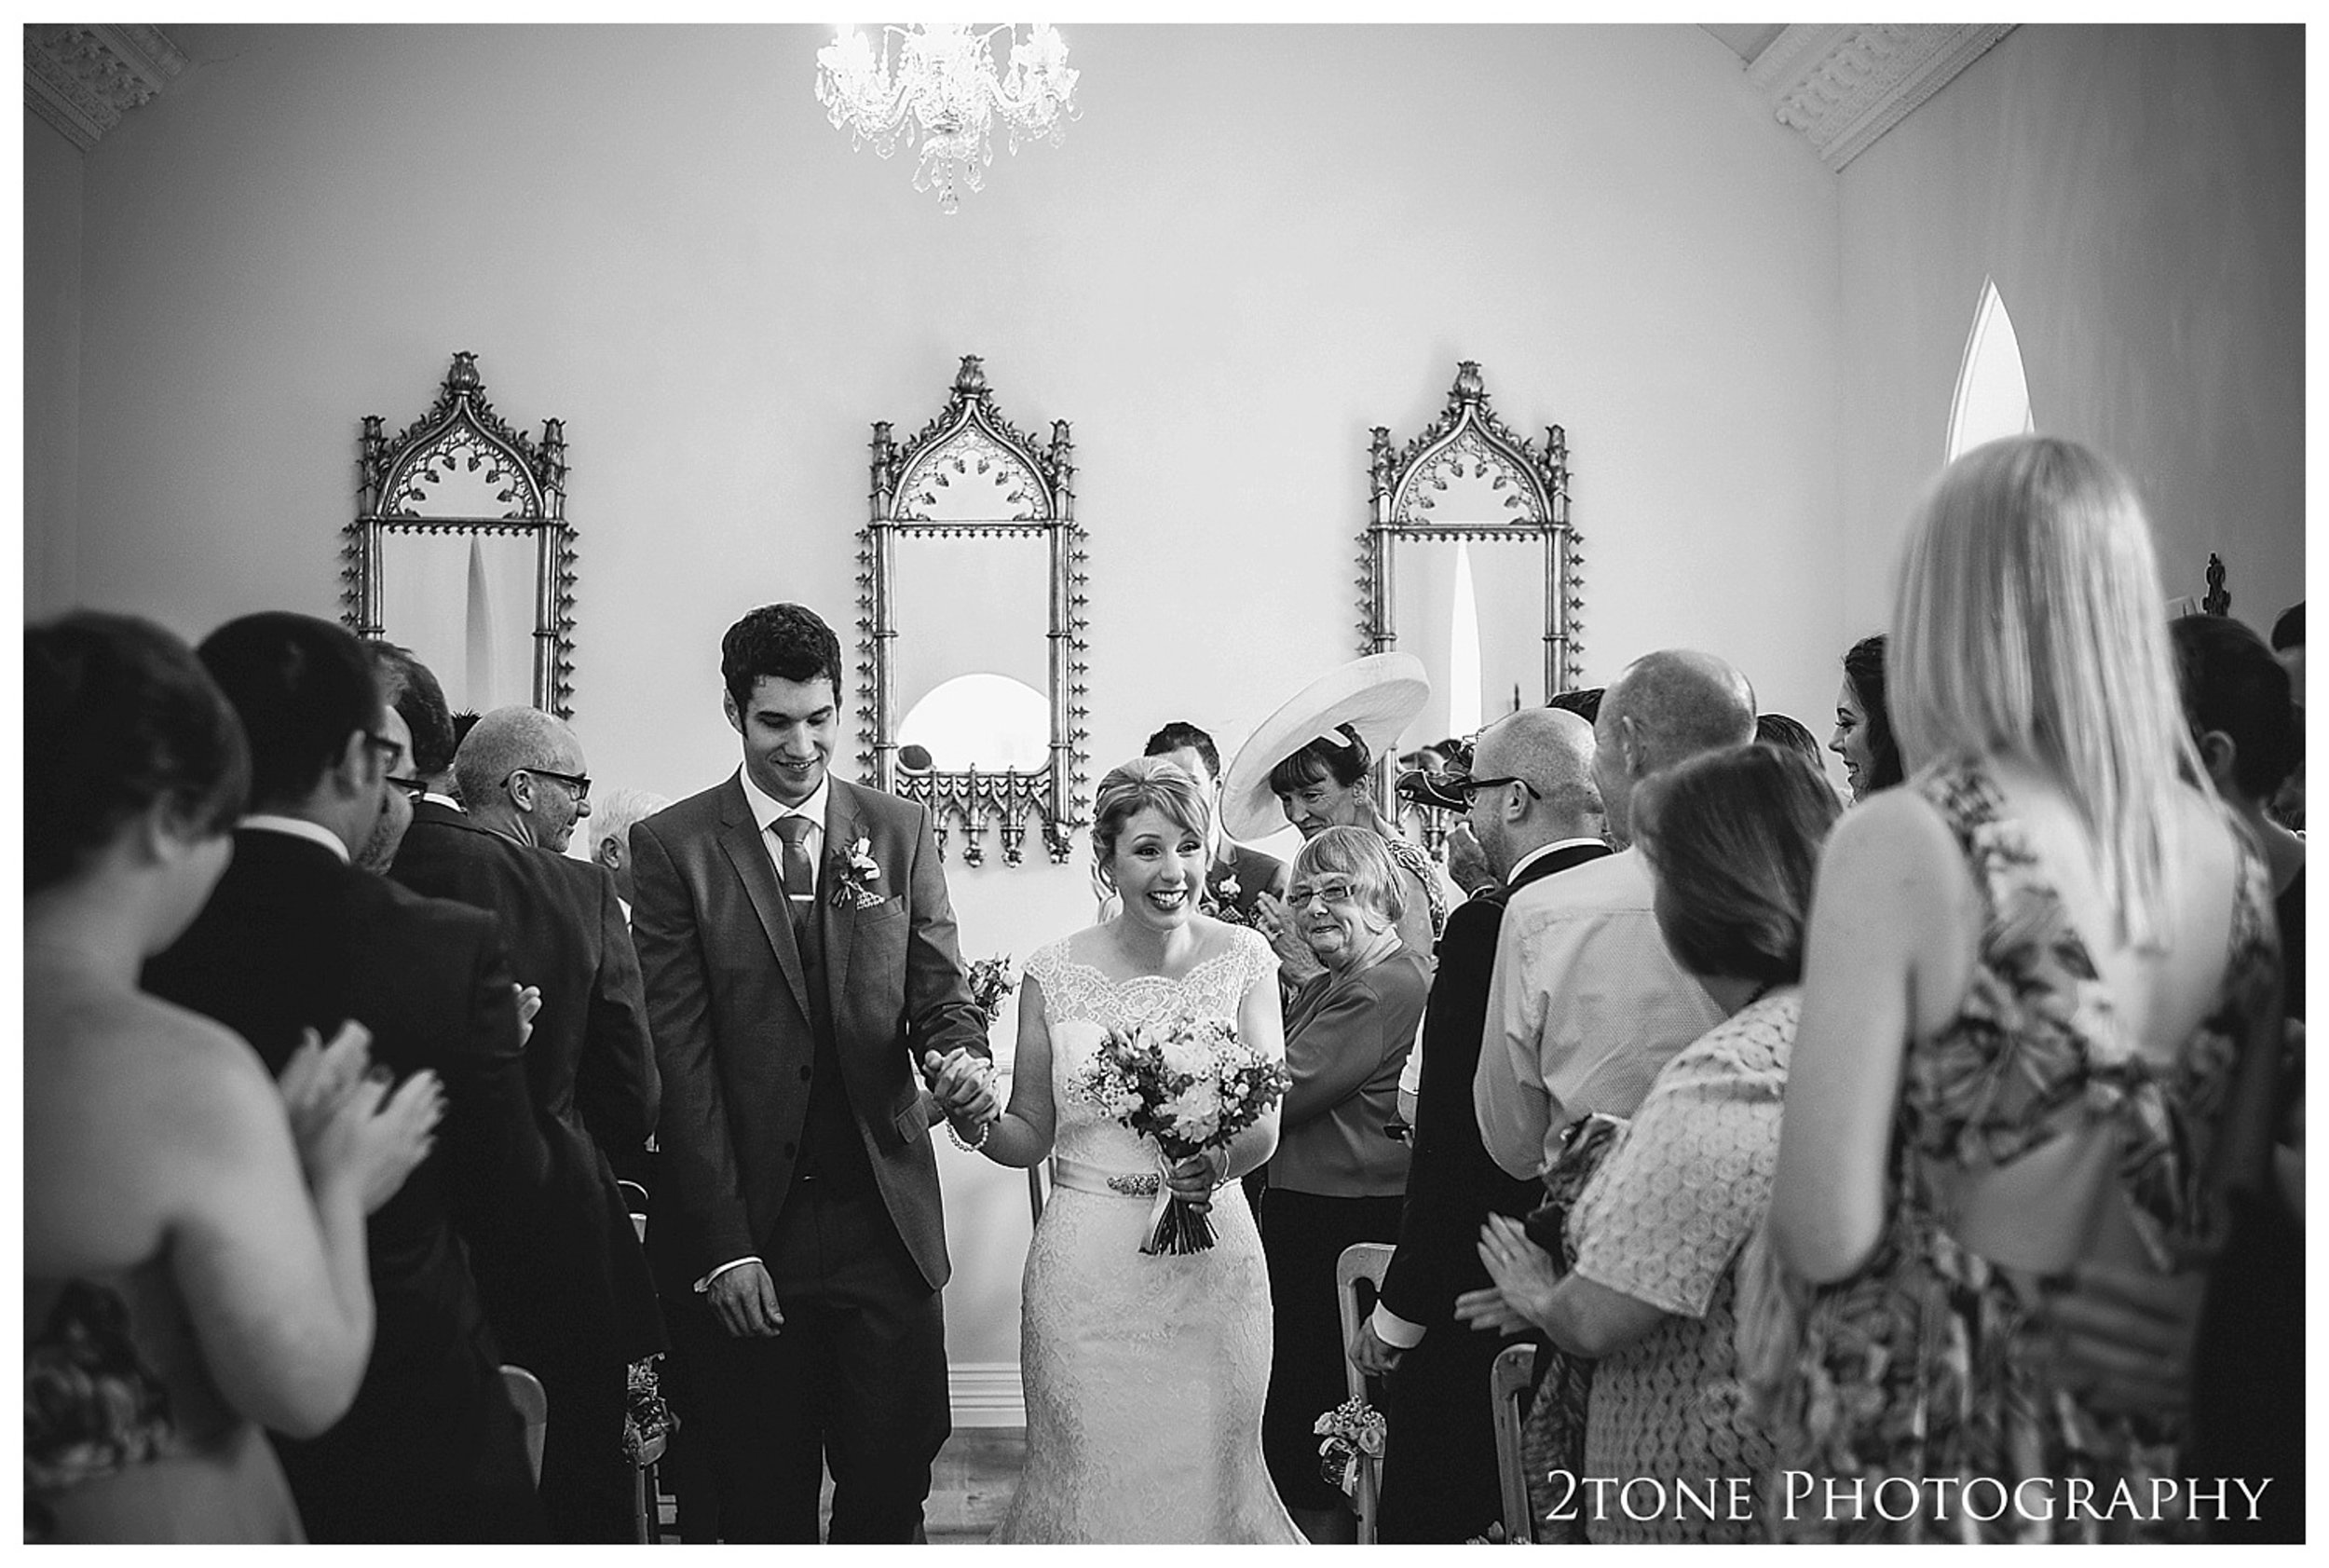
[[1377, 696]]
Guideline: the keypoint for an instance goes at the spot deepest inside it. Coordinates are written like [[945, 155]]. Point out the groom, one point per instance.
[[799, 959]]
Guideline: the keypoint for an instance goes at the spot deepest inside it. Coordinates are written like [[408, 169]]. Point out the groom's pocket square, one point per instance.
[[872, 906]]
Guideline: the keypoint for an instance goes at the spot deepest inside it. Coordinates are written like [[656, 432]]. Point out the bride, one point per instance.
[[1144, 1375]]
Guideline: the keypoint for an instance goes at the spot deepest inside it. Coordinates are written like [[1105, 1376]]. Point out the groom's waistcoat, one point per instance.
[[831, 1151]]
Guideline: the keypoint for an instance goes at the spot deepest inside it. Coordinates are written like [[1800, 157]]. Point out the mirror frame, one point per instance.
[[389, 473], [970, 430], [1403, 486]]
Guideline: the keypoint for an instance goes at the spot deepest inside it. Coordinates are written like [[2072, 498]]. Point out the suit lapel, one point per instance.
[[839, 925], [741, 839]]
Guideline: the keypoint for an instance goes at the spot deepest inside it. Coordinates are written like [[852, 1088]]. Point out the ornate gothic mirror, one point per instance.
[[460, 551], [1470, 564], [971, 622]]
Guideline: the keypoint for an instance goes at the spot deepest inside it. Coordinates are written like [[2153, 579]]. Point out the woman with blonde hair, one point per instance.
[[1144, 1372], [2039, 984]]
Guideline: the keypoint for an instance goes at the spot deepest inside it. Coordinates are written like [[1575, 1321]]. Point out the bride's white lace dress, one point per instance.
[[1144, 1375]]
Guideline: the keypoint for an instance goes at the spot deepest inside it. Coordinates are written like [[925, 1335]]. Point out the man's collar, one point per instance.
[[766, 808], [297, 828], [1541, 850], [433, 798]]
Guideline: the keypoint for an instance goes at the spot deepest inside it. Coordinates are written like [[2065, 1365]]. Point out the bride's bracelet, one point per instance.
[[971, 1145]]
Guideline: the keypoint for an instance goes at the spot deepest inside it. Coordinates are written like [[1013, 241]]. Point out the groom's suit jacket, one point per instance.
[[728, 1005]]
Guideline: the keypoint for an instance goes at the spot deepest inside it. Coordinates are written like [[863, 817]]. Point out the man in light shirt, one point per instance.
[[1586, 1004], [1535, 812]]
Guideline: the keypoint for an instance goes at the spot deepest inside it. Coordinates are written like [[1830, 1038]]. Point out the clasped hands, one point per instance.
[[963, 1085]]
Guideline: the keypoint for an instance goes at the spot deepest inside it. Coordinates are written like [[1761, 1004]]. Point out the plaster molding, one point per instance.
[[82, 78], [1842, 86]]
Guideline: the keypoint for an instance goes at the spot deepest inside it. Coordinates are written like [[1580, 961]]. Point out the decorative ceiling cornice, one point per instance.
[[82, 76], [1842, 86]]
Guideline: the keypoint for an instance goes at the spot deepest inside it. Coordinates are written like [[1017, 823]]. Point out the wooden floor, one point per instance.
[[970, 1486]]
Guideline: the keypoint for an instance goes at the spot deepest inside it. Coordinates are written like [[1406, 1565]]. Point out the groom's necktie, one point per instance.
[[800, 872]]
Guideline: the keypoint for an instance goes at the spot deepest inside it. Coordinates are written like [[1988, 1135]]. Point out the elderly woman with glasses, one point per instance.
[[1337, 1176]]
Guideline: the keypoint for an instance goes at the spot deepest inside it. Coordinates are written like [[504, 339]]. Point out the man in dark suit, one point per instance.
[[579, 1313], [799, 955], [296, 938], [1535, 812]]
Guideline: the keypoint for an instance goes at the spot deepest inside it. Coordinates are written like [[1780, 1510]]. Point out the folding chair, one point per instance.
[[533, 1407], [1509, 1383], [1365, 1260]]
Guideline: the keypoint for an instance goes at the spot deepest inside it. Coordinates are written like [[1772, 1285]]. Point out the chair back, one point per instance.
[[1508, 1382], [634, 1201], [533, 1407], [1367, 1261]]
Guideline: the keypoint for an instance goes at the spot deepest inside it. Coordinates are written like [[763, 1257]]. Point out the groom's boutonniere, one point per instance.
[[852, 872]]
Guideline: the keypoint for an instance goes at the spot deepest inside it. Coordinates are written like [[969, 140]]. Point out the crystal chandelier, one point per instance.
[[943, 87]]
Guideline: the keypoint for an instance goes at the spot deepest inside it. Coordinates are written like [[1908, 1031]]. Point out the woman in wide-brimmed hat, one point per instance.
[[1307, 764]]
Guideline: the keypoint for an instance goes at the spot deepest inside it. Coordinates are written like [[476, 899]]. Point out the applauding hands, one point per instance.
[[350, 1128]]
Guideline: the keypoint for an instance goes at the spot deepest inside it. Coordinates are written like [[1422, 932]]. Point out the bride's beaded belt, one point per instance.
[[1077, 1176]]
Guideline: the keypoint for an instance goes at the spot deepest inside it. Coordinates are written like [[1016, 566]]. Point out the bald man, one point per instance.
[[581, 1311], [1586, 1004], [1536, 812]]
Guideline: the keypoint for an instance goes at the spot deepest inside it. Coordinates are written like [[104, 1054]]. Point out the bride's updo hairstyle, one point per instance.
[[119, 716], [1135, 786], [1323, 759]]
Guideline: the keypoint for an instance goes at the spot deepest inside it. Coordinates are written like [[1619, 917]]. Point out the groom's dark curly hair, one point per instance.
[[790, 642]]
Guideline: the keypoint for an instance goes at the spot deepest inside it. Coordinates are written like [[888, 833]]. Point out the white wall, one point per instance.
[[1253, 247], [52, 362], [2138, 194]]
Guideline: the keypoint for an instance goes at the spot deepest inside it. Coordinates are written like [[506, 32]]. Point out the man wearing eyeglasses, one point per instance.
[[297, 938], [584, 1308], [1535, 810]]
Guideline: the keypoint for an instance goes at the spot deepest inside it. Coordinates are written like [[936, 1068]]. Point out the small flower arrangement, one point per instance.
[[647, 1418], [991, 982], [1353, 1432], [850, 875], [1189, 1084]]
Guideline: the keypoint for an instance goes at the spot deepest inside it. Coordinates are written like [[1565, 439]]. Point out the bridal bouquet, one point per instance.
[[1190, 1085], [992, 981]]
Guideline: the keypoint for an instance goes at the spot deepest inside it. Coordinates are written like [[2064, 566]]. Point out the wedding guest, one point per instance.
[[1777, 730], [296, 940], [1308, 763], [2248, 1369], [526, 768], [578, 1307], [1863, 724], [1535, 812], [2288, 645], [1583, 701], [609, 834], [1586, 1003], [1337, 1177], [194, 1234], [2041, 1006], [1732, 839], [1235, 877]]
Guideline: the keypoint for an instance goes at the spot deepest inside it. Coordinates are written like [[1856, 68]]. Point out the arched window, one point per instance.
[[1993, 395]]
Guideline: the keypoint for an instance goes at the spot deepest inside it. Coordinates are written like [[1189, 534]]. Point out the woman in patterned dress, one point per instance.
[[1733, 838], [1144, 1374], [2041, 995]]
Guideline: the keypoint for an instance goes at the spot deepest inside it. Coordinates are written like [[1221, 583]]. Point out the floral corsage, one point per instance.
[[991, 982], [1353, 1431], [850, 875]]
